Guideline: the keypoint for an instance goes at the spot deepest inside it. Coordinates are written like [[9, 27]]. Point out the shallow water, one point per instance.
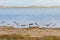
[[25, 16]]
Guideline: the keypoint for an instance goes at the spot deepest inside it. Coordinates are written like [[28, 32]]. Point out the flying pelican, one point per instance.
[[31, 24], [36, 24], [54, 24], [16, 23], [48, 24], [2, 21], [23, 25]]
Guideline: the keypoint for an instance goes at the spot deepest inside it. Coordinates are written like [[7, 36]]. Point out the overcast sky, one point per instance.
[[30, 2]]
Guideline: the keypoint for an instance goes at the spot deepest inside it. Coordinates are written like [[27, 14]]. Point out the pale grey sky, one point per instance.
[[30, 2]]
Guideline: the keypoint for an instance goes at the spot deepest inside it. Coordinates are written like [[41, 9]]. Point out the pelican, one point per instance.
[[54, 24], [16, 23], [36, 24]]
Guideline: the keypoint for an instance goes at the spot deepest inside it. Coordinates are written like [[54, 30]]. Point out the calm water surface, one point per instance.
[[25, 16]]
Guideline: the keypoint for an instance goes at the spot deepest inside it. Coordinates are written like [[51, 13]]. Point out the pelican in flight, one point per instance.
[[16, 23], [2, 21]]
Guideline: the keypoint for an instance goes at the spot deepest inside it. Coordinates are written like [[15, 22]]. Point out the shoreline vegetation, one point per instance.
[[31, 33], [29, 6]]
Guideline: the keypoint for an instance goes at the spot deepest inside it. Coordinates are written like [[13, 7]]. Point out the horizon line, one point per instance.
[[29, 6]]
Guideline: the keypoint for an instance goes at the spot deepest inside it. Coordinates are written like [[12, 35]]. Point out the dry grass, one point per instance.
[[29, 34], [19, 37]]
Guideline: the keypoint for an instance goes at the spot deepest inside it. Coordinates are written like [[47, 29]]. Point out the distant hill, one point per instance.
[[29, 6]]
